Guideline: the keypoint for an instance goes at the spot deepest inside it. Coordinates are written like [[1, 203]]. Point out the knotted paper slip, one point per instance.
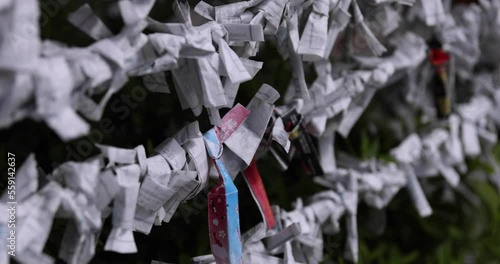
[[223, 216]]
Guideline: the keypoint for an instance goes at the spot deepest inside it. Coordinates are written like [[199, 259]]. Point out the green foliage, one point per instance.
[[459, 231]]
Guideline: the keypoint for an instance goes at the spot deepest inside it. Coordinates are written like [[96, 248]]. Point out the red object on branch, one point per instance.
[[438, 57]]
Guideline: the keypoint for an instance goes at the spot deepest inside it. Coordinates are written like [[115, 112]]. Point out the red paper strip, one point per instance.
[[254, 181]]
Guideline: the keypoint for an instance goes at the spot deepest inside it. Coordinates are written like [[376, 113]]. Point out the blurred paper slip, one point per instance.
[[244, 32], [409, 150], [282, 236], [313, 40], [87, 21], [416, 192]]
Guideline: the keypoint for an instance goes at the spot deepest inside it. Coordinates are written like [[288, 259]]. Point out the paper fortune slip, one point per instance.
[[223, 215], [254, 181]]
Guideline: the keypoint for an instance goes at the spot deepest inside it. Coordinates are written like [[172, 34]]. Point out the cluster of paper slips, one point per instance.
[[207, 51]]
